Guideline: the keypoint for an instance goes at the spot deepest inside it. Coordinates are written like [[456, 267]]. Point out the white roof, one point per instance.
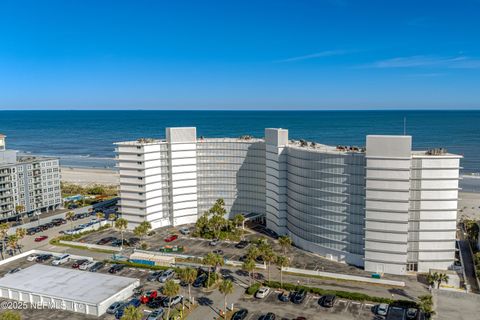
[[64, 283]]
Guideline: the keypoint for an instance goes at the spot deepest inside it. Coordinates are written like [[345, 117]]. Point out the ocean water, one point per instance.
[[85, 138]]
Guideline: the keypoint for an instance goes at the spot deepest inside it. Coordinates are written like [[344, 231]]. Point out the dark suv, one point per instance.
[[299, 296]]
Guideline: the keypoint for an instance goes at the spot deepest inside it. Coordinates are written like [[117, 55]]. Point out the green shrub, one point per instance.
[[142, 266], [355, 296], [253, 288]]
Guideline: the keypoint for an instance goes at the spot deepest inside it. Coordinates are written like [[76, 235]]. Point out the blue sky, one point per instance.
[[298, 54]]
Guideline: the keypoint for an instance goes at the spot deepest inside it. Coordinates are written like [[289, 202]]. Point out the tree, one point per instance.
[[442, 277], [100, 215], [121, 225], [269, 257], [426, 304], [253, 252], [20, 233], [12, 242], [211, 260], [69, 216], [142, 229], [10, 315], [282, 262], [226, 287], [471, 228], [188, 275], [19, 209], [170, 290], [132, 313], [249, 266], [216, 223], [239, 219], [4, 227], [285, 242]]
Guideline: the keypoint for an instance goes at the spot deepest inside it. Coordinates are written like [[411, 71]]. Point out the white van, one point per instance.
[[61, 260]]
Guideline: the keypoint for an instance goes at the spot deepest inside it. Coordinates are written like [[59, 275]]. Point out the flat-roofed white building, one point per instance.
[[67, 289], [384, 207]]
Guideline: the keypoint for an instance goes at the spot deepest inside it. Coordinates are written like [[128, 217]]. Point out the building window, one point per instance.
[[412, 267]]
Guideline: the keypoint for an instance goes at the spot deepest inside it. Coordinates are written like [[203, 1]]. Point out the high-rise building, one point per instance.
[[383, 207], [28, 184]]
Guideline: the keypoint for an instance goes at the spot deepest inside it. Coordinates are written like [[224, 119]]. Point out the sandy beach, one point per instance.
[[469, 205], [89, 176]]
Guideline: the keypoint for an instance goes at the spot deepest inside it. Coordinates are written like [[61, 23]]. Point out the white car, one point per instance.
[[32, 257], [166, 275], [87, 265], [262, 292], [61, 260], [382, 309], [184, 230]]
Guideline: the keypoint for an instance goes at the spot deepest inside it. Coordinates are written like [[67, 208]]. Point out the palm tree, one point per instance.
[[121, 225], [12, 242], [269, 257], [100, 215], [226, 287], [10, 315], [20, 233], [239, 219], [442, 277], [253, 252], [69, 216], [249, 266], [282, 262], [285, 242], [170, 290], [19, 209], [132, 313], [142, 229], [3, 233], [210, 260], [188, 275]]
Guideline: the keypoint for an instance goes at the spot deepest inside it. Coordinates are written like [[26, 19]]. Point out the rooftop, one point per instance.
[[88, 287]]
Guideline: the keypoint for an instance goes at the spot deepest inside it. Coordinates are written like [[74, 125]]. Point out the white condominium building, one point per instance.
[[384, 207], [28, 184]]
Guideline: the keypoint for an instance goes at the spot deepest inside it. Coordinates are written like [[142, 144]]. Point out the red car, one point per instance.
[[171, 237], [149, 295], [41, 238]]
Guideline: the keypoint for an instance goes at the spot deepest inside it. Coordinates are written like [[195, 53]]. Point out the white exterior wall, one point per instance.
[[387, 209]]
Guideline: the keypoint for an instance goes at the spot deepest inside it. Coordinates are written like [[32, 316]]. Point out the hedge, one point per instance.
[[253, 288], [142, 266], [355, 296]]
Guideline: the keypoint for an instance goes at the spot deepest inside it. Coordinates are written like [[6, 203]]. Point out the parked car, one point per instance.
[[41, 238], [184, 230], [218, 251], [213, 242], [97, 266], [32, 257], [299, 296], [171, 238], [133, 241], [327, 301], [116, 268], [44, 257], [155, 303], [106, 240], [172, 301], [87, 265], [242, 244], [262, 292], [284, 296], [166, 275], [381, 309], [155, 314], [114, 307], [31, 231], [118, 243], [200, 281], [134, 302], [268, 316], [61, 260], [149, 295], [240, 314], [78, 263], [271, 233], [154, 275]]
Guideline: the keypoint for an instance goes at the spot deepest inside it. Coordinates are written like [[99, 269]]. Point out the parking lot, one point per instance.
[[309, 308], [141, 274]]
